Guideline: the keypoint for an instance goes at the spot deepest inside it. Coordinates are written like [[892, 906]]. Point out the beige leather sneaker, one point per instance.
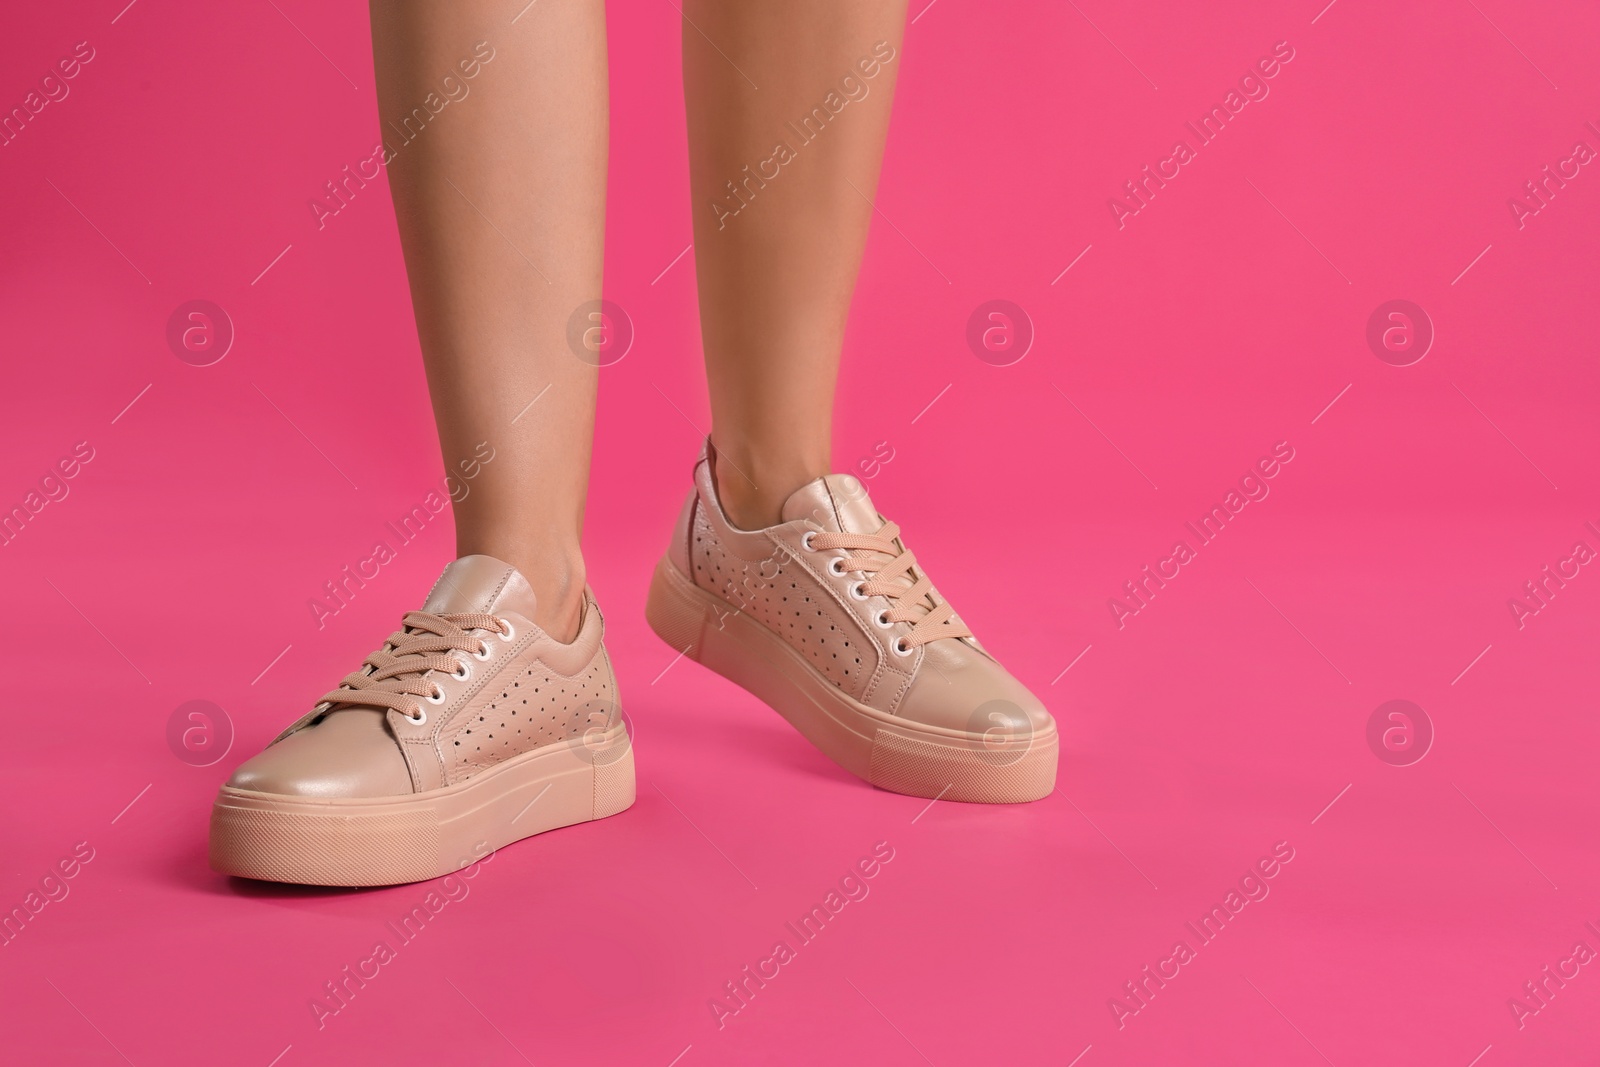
[[470, 729], [828, 618]]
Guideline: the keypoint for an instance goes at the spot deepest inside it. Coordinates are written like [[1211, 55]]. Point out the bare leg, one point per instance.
[[500, 198], [778, 251]]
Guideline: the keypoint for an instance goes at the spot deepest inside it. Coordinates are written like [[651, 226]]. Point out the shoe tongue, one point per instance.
[[837, 502], [480, 584]]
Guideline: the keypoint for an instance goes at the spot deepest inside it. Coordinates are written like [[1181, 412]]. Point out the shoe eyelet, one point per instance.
[[483, 652], [462, 672], [435, 697], [422, 717], [900, 647], [856, 593], [836, 566], [509, 632], [805, 542], [881, 619]]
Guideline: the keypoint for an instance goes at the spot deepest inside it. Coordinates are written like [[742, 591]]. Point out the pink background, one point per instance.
[[1223, 718]]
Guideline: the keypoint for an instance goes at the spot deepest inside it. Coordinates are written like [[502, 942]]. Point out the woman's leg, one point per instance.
[[500, 198], [788, 108]]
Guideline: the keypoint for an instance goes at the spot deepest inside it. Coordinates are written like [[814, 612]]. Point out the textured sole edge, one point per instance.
[[888, 752], [370, 841]]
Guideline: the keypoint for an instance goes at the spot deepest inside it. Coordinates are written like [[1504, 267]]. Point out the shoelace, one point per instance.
[[393, 676], [893, 580]]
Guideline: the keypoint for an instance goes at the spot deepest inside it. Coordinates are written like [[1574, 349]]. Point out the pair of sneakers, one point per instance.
[[415, 766]]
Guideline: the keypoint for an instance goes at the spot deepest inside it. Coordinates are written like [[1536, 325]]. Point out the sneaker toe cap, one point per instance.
[[963, 689], [351, 753]]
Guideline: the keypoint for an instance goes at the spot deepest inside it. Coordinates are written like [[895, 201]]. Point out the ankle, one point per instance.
[[753, 487], [556, 577], [558, 610]]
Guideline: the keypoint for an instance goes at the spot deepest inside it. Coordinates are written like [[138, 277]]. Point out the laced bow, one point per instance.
[[395, 675], [909, 599]]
